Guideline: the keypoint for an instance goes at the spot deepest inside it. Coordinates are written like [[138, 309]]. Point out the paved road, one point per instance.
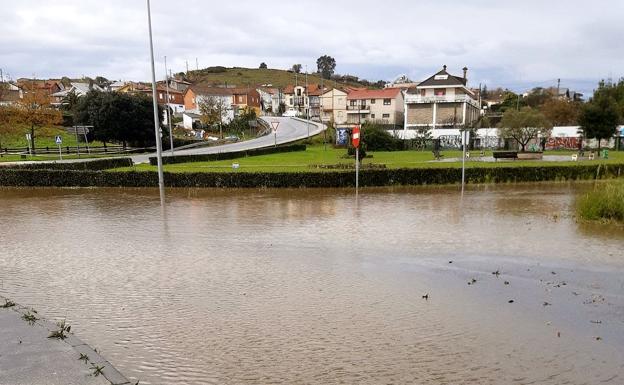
[[289, 130]]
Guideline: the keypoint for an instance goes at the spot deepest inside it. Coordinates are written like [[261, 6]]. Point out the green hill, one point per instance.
[[255, 76]]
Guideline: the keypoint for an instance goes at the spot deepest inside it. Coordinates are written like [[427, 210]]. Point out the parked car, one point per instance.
[[232, 138], [290, 113]]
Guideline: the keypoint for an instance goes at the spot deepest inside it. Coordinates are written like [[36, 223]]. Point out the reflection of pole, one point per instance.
[[161, 177], [77, 144], [275, 137], [60, 152]]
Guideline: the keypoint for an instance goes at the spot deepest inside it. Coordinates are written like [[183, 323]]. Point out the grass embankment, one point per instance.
[[605, 203], [317, 155], [241, 77], [44, 137]]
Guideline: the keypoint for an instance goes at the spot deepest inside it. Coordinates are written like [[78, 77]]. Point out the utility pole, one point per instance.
[[168, 108], [197, 64], [161, 178], [187, 68], [307, 96], [558, 86]]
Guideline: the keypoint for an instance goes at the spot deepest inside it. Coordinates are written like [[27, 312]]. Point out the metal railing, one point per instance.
[[358, 108], [67, 150], [440, 99]]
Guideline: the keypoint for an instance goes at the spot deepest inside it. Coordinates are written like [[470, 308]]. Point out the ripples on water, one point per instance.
[[296, 286]]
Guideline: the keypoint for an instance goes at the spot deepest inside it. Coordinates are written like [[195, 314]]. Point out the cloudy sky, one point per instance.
[[519, 45]]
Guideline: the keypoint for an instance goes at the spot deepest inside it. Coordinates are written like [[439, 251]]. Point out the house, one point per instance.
[[116, 86], [334, 107], [441, 101], [195, 94], [40, 87], [305, 101], [9, 93], [246, 97], [78, 88], [383, 106], [270, 98]]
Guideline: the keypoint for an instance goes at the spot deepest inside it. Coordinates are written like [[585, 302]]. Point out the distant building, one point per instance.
[[443, 100], [334, 107], [195, 94], [78, 88], [245, 97], [383, 106], [9, 93]]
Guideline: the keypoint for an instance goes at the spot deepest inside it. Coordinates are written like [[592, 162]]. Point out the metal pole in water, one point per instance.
[[463, 160], [357, 168], [168, 110], [161, 178]]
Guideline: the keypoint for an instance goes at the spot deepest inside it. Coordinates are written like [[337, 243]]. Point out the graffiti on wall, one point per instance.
[[560, 143], [450, 141]]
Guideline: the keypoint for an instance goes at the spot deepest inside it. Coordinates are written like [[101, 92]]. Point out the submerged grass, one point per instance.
[[605, 203]]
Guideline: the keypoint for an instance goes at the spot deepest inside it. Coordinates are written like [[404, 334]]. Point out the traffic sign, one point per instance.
[[275, 124], [355, 137], [58, 139]]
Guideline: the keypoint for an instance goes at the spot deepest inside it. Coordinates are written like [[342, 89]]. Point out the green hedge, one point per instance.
[[228, 155], [100, 164], [383, 177]]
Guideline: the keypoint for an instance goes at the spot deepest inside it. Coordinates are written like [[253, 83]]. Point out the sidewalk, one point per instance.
[[29, 357]]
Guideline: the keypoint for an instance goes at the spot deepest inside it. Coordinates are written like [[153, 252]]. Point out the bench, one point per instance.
[[505, 155]]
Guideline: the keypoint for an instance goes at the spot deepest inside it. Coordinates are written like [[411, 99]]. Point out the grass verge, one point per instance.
[[605, 203]]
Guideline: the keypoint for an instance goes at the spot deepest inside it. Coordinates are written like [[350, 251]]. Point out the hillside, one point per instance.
[[255, 76]]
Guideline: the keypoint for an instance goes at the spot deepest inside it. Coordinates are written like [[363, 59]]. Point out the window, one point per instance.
[[386, 116], [352, 103], [372, 101], [387, 102], [423, 93], [290, 101], [372, 116], [439, 91]]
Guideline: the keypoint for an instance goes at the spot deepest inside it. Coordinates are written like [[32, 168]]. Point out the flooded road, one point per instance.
[[310, 286]]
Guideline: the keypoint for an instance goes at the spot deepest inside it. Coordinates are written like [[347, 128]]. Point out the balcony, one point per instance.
[[417, 99], [358, 109]]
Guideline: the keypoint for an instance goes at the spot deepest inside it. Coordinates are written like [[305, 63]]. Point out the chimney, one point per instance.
[[444, 67], [465, 72]]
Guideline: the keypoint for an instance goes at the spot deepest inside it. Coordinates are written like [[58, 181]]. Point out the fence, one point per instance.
[[68, 150]]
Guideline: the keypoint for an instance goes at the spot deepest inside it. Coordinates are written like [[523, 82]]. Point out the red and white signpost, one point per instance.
[[275, 124], [355, 140]]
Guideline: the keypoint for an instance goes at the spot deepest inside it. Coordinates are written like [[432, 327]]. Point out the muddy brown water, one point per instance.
[[312, 287]]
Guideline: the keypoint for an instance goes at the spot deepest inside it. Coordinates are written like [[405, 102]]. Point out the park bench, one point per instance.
[[505, 155]]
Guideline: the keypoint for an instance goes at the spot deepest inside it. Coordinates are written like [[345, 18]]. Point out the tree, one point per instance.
[[375, 138], [296, 68], [34, 110], [213, 110], [70, 101], [102, 82], [599, 118], [326, 66], [484, 92], [561, 112], [524, 125], [119, 117], [263, 65], [281, 108]]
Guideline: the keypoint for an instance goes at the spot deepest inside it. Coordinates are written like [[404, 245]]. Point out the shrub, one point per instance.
[[603, 204], [100, 164], [374, 138], [227, 155]]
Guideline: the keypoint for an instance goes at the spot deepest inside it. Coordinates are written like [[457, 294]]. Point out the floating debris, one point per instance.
[[598, 338], [496, 273], [553, 273], [450, 261], [472, 281], [506, 282], [510, 301], [559, 334], [596, 322], [547, 304], [426, 296]]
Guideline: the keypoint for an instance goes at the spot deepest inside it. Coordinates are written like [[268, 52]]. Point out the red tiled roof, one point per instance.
[[386, 93]]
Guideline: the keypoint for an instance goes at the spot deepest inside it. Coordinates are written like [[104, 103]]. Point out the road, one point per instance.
[[289, 130]]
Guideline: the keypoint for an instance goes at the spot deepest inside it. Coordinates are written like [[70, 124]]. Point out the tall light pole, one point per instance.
[[161, 177], [167, 106], [307, 95]]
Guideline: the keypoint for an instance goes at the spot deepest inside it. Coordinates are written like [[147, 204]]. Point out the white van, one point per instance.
[[290, 113]]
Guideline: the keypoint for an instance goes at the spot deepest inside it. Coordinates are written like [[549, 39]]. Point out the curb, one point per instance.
[[80, 347]]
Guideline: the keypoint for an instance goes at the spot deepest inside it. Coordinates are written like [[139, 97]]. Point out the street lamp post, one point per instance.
[[168, 110], [161, 178]]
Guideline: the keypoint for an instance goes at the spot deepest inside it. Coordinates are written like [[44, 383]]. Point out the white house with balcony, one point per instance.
[[442, 101]]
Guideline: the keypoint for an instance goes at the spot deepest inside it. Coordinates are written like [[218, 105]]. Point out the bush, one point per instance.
[[380, 177], [603, 204], [100, 164], [228, 155], [374, 138]]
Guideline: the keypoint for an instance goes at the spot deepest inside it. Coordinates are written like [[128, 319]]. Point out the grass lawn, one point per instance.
[[17, 158], [316, 155], [44, 137]]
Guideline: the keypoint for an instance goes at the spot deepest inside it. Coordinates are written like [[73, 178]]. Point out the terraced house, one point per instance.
[[441, 101]]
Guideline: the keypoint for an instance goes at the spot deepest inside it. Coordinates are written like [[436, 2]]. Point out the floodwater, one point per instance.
[[314, 287]]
